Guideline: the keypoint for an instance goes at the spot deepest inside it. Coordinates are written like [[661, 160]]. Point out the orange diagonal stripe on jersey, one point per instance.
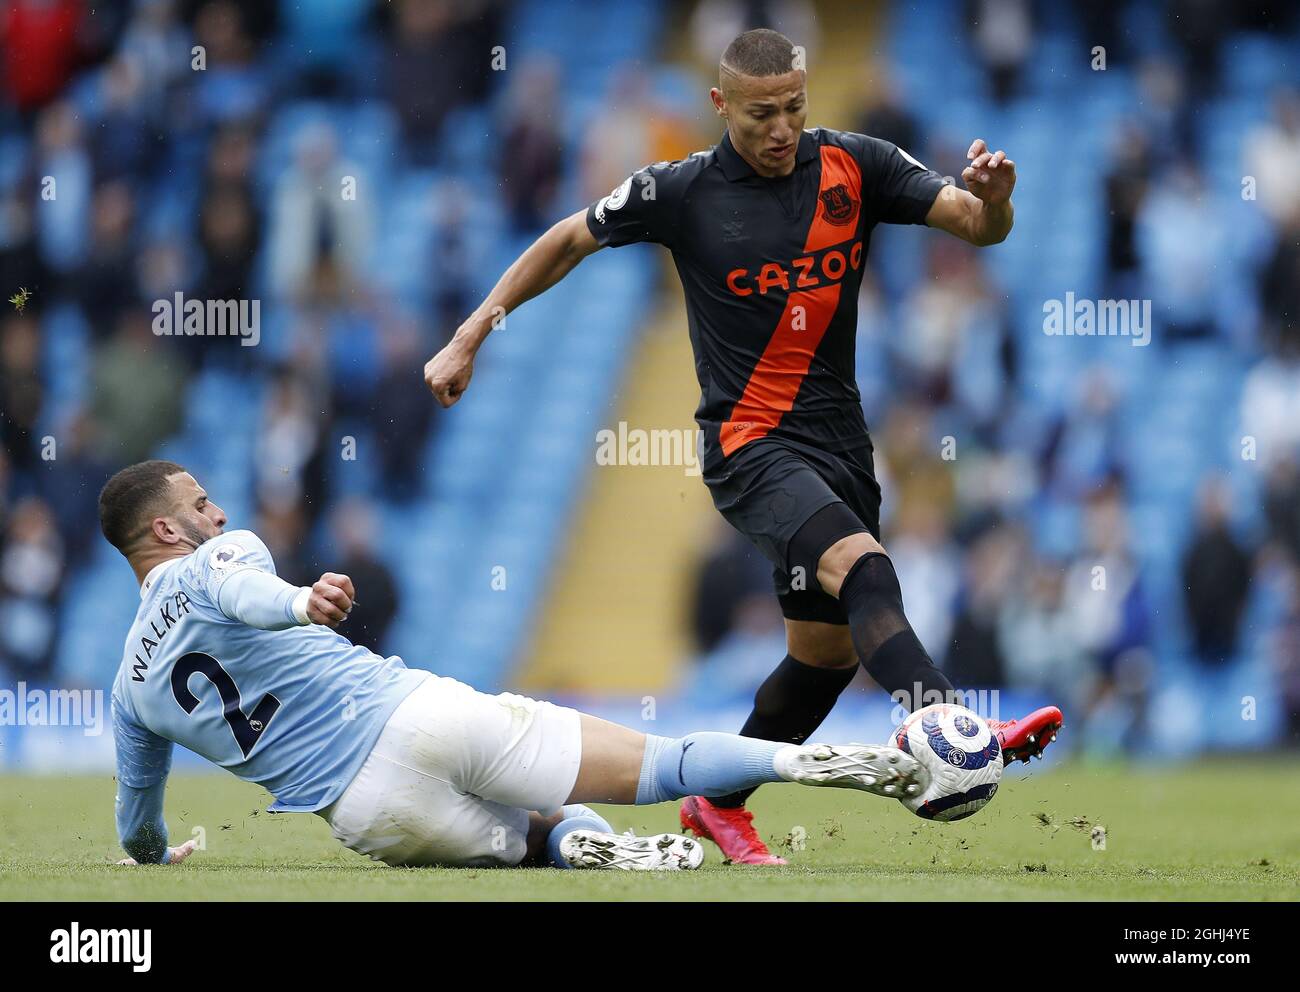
[[775, 381]]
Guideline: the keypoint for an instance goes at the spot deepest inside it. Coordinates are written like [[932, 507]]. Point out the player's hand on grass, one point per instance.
[[447, 373], [178, 854], [991, 176], [330, 600]]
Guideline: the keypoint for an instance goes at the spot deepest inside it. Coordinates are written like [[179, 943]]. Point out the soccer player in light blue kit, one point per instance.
[[237, 665]]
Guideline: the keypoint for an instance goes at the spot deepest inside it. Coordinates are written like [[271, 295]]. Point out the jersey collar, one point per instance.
[[734, 167], [154, 574]]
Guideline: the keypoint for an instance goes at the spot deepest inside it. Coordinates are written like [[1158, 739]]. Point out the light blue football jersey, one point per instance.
[[295, 710]]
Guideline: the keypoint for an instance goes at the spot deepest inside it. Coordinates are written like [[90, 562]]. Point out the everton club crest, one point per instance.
[[841, 208]]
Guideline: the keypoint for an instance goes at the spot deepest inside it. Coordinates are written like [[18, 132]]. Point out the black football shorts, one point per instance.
[[772, 487]]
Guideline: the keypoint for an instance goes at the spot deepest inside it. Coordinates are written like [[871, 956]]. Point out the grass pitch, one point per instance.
[[1214, 830]]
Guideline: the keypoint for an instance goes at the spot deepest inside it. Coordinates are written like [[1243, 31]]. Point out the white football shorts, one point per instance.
[[453, 776]]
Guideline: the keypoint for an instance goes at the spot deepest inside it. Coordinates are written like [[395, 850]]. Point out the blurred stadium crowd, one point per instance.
[[152, 121], [1014, 463]]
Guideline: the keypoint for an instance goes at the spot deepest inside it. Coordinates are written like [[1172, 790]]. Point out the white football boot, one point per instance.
[[880, 769], [627, 852]]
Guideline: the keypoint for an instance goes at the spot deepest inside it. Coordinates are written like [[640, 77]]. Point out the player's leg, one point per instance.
[[531, 754], [840, 545], [621, 765], [610, 770], [539, 835], [854, 568], [510, 753], [768, 493], [402, 809], [579, 837], [793, 701], [408, 804], [506, 764], [857, 571], [789, 706]]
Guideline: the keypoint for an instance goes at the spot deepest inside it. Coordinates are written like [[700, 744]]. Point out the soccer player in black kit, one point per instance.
[[769, 232]]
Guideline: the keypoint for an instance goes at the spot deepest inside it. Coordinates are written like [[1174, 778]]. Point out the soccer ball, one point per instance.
[[962, 755]]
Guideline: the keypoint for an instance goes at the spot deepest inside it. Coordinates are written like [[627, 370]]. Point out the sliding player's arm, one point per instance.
[[266, 601], [546, 261], [143, 762], [982, 213], [239, 577]]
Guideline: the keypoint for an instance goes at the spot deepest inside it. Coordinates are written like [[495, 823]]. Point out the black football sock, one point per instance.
[[791, 703], [887, 646]]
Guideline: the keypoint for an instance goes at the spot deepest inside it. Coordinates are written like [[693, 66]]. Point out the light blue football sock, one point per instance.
[[704, 764], [576, 817]]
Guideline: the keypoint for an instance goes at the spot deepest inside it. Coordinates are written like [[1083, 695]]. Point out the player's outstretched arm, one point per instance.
[[548, 260], [144, 760], [267, 602], [984, 215]]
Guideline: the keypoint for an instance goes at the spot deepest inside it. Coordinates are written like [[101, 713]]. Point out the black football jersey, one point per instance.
[[771, 270]]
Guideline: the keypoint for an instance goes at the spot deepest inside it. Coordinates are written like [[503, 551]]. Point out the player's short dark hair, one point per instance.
[[132, 497], [760, 52]]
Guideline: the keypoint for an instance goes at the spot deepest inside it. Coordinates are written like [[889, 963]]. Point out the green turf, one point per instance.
[[1217, 830]]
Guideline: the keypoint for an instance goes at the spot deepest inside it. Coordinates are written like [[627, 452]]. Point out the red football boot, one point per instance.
[[731, 829], [1029, 736]]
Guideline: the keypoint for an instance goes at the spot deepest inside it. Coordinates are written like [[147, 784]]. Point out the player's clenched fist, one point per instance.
[[330, 600], [991, 176], [447, 373]]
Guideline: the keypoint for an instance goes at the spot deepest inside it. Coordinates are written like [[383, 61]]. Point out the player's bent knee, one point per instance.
[[839, 558]]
